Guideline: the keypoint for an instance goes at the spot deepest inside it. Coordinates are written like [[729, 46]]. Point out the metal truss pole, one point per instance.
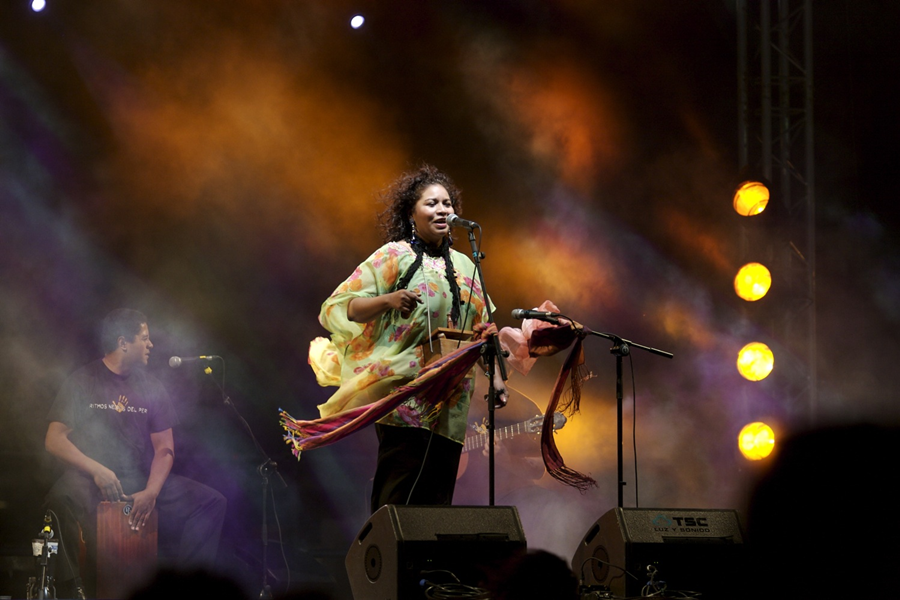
[[775, 73]]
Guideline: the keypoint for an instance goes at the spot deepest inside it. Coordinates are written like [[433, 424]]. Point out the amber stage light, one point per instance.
[[752, 282], [756, 441], [755, 361], [751, 198]]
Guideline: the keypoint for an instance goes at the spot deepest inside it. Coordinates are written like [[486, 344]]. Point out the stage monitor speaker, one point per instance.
[[699, 550], [399, 545]]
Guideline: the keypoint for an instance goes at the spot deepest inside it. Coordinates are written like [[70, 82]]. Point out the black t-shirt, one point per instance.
[[112, 416]]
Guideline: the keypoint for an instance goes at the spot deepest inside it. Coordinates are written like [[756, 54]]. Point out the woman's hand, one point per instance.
[[404, 301], [364, 310]]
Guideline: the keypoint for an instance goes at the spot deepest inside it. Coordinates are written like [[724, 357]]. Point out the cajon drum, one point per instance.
[[125, 558]]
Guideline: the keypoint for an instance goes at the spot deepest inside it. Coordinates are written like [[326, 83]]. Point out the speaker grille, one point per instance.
[[373, 563], [600, 567]]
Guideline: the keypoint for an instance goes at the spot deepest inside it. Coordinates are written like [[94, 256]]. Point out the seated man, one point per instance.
[[111, 424]]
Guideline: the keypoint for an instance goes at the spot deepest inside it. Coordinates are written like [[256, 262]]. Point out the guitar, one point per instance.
[[480, 438], [532, 425]]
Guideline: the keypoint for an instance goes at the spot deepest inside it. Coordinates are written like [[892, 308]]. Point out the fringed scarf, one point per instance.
[[432, 384], [566, 396]]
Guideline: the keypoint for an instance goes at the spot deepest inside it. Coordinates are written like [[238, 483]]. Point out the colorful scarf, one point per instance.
[[566, 396], [432, 384]]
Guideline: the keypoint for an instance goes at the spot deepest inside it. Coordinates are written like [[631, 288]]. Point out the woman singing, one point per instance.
[[391, 304]]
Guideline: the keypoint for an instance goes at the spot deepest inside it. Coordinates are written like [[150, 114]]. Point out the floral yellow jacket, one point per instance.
[[369, 360]]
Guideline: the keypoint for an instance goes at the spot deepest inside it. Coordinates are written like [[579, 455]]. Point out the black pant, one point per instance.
[[401, 452], [188, 510]]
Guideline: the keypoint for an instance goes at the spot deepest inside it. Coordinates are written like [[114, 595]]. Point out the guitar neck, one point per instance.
[[504, 433]]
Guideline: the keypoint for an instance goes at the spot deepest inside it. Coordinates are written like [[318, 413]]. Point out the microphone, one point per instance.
[[176, 361], [549, 317], [47, 532], [456, 221]]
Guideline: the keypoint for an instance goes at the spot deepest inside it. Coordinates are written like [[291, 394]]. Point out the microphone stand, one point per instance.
[[265, 471], [622, 347], [44, 561], [491, 354]]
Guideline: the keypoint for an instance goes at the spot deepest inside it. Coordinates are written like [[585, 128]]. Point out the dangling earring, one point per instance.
[[412, 224]]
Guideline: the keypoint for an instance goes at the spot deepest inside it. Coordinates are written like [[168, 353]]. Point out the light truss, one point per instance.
[[775, 95]]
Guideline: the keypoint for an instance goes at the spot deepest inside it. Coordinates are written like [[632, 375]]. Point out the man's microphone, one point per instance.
[[455, 220], [549, 317], [47, 531], [176, 361]]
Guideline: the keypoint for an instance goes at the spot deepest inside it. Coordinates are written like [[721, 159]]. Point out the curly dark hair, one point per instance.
[[401, 196]]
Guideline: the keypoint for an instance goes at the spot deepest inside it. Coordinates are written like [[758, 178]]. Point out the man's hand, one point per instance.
[[163, 457], [110, 487], [499, 449], [501, 394], [142, 505]]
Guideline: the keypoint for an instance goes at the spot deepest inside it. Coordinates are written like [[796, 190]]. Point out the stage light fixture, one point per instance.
[[752, 282], [751, 198], [38, 5], [756, 440], [357, 21], [755, 361]]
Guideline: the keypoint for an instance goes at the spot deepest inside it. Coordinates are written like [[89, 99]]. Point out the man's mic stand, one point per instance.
[[265, 470], [622, 347], [491, 354]]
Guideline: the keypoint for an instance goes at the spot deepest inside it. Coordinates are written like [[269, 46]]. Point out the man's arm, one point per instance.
[[163, 459], [58, 444]]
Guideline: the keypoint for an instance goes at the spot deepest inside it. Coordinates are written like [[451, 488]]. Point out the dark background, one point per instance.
[[215, 165]]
